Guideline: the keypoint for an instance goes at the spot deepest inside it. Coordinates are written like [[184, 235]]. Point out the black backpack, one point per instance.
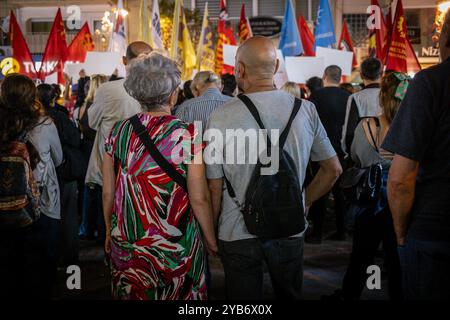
[[273, 205]]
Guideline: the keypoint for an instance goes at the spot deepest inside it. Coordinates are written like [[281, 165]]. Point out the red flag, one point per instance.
[[23, 61], [80, 45], [55, 54], [378, 36], [245, 31], [306, 36], [345, 42], [226, 36], [400, 55]]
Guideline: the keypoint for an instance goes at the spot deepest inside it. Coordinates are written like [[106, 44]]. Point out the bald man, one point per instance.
[[242, 253], [111, 104]]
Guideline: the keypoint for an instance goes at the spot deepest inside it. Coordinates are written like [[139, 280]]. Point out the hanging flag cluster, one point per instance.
[[389, 41]]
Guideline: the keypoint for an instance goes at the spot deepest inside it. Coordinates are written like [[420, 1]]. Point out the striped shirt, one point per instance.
[[200, 108]]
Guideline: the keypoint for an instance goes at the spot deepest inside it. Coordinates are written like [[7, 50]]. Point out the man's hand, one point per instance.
[[323, 181], [401, 241], [401, 190]]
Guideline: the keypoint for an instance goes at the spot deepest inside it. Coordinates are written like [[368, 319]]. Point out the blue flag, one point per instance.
[[324, 30], [290, 43]]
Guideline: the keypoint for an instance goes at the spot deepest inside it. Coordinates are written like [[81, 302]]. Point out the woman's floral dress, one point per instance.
[[157, 250]]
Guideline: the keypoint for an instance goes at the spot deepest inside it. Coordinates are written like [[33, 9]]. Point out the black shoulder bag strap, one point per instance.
[[282, 140], [162, 162], [377, 122]]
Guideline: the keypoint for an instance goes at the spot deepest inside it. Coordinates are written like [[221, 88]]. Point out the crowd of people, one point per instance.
[[375, 155]]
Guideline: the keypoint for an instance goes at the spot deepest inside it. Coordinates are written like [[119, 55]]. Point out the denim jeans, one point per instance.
[[425, 269], [243, 264], [84, 225]]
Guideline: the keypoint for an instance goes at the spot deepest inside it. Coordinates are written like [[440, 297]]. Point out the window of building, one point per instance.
[[45, 27], [271, 8], [413, 25], [301, 7], [357, 24]]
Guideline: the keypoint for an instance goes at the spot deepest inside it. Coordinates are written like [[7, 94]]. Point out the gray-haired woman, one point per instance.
[[153, 204]]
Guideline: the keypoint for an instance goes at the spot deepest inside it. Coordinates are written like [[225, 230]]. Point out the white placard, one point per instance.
[[73, 70], [229, 54], [229, 59], [300, 69], [104, 63], [51, 78], [281, 76], [341, 58]]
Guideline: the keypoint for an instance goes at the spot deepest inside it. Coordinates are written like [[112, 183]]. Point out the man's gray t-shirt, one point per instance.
[[307, 139]]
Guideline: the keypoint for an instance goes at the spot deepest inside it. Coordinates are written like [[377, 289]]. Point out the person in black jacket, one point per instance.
[[81, 94], [331, 105], [68, 172]]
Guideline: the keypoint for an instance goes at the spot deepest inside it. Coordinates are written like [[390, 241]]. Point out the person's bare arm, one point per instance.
[[401, 188], [108, 197], [215, 188], [323, 181], [200, 200]]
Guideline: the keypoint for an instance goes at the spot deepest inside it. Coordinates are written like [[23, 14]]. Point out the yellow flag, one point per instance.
[[205, 51], [144, 23], [182, 49], [173, 50], [189, 58]]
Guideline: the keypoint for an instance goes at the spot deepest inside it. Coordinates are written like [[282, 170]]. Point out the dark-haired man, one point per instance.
[[330, 102], [419, 180], [364, 103]]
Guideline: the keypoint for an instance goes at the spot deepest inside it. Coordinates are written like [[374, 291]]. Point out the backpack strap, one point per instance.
[[254, 111], [162, 162], [377, 122], [284, 134]]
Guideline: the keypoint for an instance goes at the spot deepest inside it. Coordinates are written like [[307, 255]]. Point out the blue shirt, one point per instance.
[[200, 108]]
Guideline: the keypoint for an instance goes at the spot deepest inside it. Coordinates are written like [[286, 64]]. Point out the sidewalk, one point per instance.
[[324, 268]]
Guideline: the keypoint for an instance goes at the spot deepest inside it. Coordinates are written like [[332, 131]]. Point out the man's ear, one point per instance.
[[277, 66], [241, 70], [124, 60]]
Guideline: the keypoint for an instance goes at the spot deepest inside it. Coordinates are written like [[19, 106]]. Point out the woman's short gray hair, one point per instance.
[[151, 79]]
